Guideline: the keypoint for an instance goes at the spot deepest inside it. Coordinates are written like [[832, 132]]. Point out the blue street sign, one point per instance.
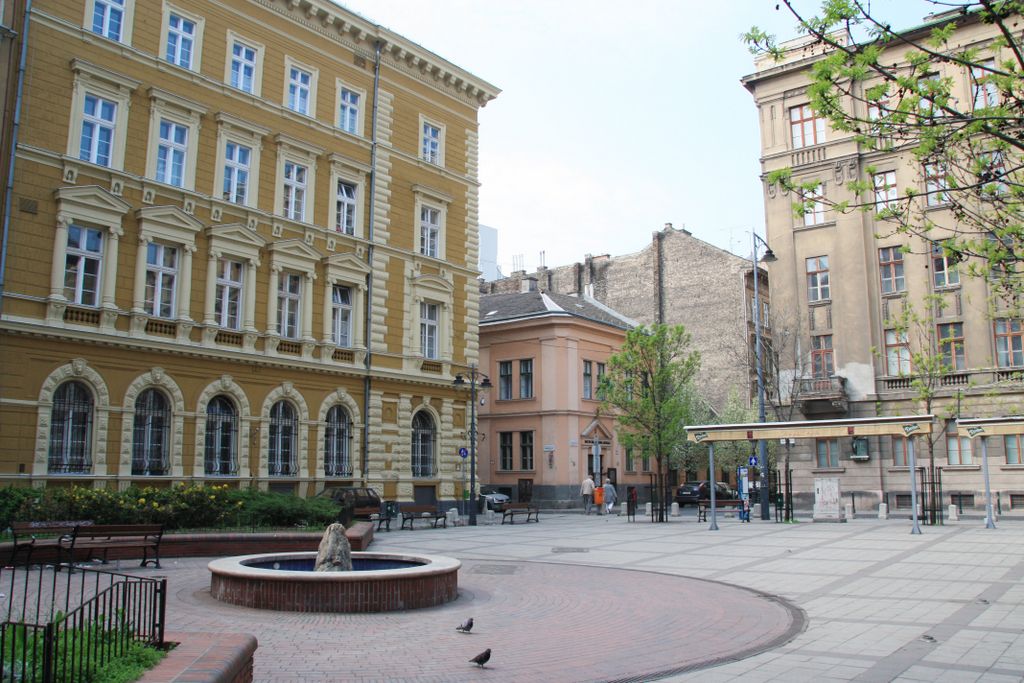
[[463, 452], [753, 461]]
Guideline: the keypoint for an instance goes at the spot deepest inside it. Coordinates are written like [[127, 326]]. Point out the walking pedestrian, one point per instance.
[[609, 495], [587, 491]]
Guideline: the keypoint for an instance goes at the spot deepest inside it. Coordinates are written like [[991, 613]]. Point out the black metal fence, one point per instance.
[[59, 625]]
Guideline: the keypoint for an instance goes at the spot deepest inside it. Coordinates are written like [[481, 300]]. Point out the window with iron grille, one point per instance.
[[505, 450], [337, 435], [71, 430], [423, 440], [221, 437], [284, 428], [526, 450], [151, 434], [1017, 501], [903, 501]]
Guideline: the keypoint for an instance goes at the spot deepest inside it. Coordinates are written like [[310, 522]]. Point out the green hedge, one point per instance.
[[184, 506]]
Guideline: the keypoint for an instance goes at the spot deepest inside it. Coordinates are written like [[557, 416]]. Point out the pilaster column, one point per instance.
[[272, 293], [185, 278], [328, 312], [307, 307], [139, 290], [249, 303], [60, 243], [211, 289], [110, 269]]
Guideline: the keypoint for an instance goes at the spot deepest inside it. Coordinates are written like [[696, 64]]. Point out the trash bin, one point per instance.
[[599, 498]]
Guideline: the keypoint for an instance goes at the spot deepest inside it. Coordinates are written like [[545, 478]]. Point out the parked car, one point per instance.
[[493, 500], [353, 497], [692, 492]]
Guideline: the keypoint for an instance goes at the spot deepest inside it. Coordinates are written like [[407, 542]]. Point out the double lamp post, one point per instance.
[[476, 379]]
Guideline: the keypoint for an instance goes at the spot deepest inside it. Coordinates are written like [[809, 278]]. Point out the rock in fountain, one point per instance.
[[335, 553]]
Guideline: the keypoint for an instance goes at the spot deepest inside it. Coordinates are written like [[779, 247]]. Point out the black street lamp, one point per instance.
[[476, 378], [761, 445]]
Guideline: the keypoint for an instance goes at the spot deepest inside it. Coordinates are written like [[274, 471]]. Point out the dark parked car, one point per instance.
[[352, 496], [692, 492]]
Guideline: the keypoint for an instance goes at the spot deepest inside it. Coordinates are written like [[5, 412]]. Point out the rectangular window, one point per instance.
[[299, 82], [936, 182], [227, 307], [171, 153], [944, 270], [645, 463], [430, 230], [600, 378], [890, 268], [630, 463], [289, 302], [827, 453], [82, 262], [181, 36], [243, 67], [1009, 343], [958, 449], [526, 450], [345, 208], [428, 329], [348, 111], [236, 172], [98, 119], [1014, 444], [822, 361], [886, 193], [588, 379], [431, 149], [526, 378], [107, 18], [341, 315], [295, 191], [161, 277], [897, 352], [814, 206], [505, 450], [899, 451], [505, 380], [817, 279], [951, 346], [986, 93], [807, 128]]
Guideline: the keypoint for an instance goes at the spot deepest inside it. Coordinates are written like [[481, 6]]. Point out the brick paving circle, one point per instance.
[[543, 622]]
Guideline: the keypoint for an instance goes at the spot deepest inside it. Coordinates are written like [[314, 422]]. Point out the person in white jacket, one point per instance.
[[587, 491]]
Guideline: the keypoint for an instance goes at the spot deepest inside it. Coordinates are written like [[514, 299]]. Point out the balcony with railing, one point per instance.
[[1011, 377], [821, 396]]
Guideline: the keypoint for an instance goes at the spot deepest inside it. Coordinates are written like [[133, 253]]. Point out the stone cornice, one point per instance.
[[334, 20]]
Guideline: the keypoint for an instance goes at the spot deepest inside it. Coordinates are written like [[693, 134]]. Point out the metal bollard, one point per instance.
[[954, 515], [883, 511], [674, 511]]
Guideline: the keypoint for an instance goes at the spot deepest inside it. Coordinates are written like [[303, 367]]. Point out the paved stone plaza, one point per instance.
[[579, 598]]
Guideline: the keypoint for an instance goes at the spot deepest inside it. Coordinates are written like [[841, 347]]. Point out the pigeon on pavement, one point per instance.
[[466, 626], [482, 658]]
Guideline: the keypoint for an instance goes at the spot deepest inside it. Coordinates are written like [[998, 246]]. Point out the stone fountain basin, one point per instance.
[[427, 581]]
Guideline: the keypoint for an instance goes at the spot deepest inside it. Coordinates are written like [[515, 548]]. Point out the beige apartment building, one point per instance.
[[541, 425], [242, 249], [841, 278]]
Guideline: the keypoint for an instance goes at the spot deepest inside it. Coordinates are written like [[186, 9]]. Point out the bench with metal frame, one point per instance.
[[513, 509], [410, 513]]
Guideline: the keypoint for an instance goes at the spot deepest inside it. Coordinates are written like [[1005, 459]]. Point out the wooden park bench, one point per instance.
[[96, 540], [513, 509], [410, 513], [704, 505], [30, 536]]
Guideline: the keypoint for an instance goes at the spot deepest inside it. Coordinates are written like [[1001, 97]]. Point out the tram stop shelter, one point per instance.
[[982, 428], [899, 425]]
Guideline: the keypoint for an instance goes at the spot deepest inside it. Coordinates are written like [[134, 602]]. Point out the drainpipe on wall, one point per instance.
[[16, 124], [368, 314]]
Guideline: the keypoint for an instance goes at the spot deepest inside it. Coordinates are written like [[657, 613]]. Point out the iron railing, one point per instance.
[[58, 625]]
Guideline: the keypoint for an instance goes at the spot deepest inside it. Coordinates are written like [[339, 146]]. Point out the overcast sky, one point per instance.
[[614, 118]]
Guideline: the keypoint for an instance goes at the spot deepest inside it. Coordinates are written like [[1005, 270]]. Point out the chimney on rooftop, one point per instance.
[[528, 284]]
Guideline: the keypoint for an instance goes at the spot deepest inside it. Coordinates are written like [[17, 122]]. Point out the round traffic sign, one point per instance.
[[463, 452]]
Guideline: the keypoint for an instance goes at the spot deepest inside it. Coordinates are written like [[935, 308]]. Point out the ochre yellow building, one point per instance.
[[242, 248]]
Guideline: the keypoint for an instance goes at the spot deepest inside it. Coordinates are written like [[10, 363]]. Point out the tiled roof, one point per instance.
[[519, 306]]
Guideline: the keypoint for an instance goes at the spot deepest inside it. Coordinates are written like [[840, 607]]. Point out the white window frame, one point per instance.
[[886, 192], [345, 270], [170, 153], [259, 50], [944, 267], [429, 288], [234, 242], [195, 61], [172, 227], [821, 289], [344, 110], [983, 95], [897, 353], [428, 198], [237, 170], [98, 123], [426, 150], [936, 184], [82, 255], [289, 303], [809, 135], [430, 329], [93, 80], [292, 257], [292, 151], [816, 216], [163, 277], [345, 170], [225, 285], [165, 106], [232, 130], [127, 19], [291, 63], [341, 315]]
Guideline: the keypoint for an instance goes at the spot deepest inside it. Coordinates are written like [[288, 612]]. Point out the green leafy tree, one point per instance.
[[732, 454], [895, 92], [648, 386]]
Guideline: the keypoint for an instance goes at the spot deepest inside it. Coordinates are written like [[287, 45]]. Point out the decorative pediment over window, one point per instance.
[[596, 431], [434, 286], [235, 238], [345, 267], [294, 254], [92, 204], [168, 222]]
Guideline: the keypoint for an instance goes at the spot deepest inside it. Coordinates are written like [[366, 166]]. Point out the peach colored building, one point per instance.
[[541, 424]]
